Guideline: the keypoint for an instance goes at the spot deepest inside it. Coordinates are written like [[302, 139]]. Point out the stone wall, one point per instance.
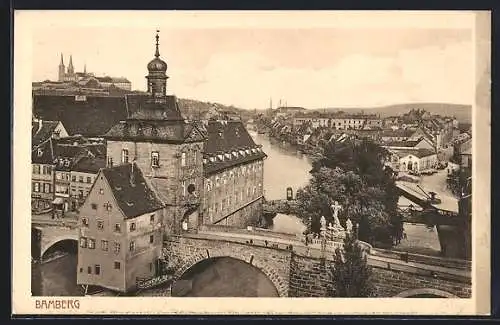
[[274, 263], [308, 277], [390, 283]]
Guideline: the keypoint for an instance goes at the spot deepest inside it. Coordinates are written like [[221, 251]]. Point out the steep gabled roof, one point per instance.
[[39, 135], [89, 165], [44, 153], [134, 198]]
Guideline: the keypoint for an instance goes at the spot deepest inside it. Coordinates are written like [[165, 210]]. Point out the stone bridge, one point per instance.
[[297, 270], [48, 232], [273, 207]]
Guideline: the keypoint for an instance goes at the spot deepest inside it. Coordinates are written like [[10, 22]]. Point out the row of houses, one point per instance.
[[63, 167]]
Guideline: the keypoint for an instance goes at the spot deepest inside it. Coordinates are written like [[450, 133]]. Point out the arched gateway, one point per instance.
[[425, 293]]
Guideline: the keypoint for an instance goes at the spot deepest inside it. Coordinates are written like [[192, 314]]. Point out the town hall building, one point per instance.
[[161, 166]]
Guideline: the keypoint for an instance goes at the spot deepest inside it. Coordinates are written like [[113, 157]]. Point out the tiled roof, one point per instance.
[[89, 165], [407, 143], [397, 133], [155, 130], [134, 198], [226, 136], [420, 153], [44, 154], [92, 117], [146, 107], [46, 131]]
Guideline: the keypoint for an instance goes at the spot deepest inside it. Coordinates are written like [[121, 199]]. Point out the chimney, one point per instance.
[[132, 176]]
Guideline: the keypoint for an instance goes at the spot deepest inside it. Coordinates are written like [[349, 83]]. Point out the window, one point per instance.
[[80, 179], [117, 265], [104, 245], [97, 268], [85, 222], [100, 225], [89, 180], [46, 188], [107, 206], [94, 206], [81, 270], [89, 270], [151, 239], [183, 184], [91, 243], [132, 226], [36, 169], [101, 191], [118, 228], [125, 156], [73, 178], [152, 218], [36, 187], [132, 246], [117, 248], [155, 159], [183, 159], [83, 242], [80, 194]]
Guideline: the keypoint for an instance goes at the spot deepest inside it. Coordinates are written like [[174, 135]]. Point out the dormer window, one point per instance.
[[66, 163], [221, 158], [39, 152], [204, 160], [228, 155]]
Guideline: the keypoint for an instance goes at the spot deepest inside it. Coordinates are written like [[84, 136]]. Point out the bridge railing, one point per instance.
[[250, 231], [424, 259]]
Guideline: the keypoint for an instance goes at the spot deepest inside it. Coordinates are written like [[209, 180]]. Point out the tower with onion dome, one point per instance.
[[157, 76]]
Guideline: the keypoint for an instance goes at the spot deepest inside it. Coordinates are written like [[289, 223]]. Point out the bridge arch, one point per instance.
[[56, 240], [425, 293], [266, 268]]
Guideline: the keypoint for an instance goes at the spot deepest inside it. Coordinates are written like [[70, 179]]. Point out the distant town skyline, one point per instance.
[[312, 67]]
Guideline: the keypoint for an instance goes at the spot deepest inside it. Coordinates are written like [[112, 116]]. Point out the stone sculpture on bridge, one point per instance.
[[348, 225]]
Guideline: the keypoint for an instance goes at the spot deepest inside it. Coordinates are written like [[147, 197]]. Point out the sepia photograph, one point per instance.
[[175, 155]]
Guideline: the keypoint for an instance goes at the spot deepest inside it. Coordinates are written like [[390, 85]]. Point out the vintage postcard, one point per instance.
[[259, 162]]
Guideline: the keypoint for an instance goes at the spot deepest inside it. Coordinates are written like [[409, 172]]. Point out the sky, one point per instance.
[[397, 59]]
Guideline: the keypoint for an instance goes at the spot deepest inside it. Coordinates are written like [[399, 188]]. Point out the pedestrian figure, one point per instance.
[[265, 242], [404, 235]]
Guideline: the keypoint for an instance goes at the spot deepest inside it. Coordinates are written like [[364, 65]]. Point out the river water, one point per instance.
[[282, 168]]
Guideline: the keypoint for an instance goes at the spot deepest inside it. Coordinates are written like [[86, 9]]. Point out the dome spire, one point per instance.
[[157, 53]]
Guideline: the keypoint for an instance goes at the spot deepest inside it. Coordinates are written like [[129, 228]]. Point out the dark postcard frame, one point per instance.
[[6, 22]]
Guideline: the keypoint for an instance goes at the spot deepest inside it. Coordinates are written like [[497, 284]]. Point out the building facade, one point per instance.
[[120, 230], [42, 178], [417, 160], [233, 175]]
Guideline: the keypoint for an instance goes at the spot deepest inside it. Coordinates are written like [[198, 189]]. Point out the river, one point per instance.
[[282, 168]]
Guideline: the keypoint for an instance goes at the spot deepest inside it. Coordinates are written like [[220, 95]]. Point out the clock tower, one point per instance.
[[166, 148]]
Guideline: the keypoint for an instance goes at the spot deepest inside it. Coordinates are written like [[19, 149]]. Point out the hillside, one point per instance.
[[195, 109], [463, 113]]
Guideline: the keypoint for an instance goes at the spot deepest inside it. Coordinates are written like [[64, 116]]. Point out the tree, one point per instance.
[[350, 273], [353, 173]]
